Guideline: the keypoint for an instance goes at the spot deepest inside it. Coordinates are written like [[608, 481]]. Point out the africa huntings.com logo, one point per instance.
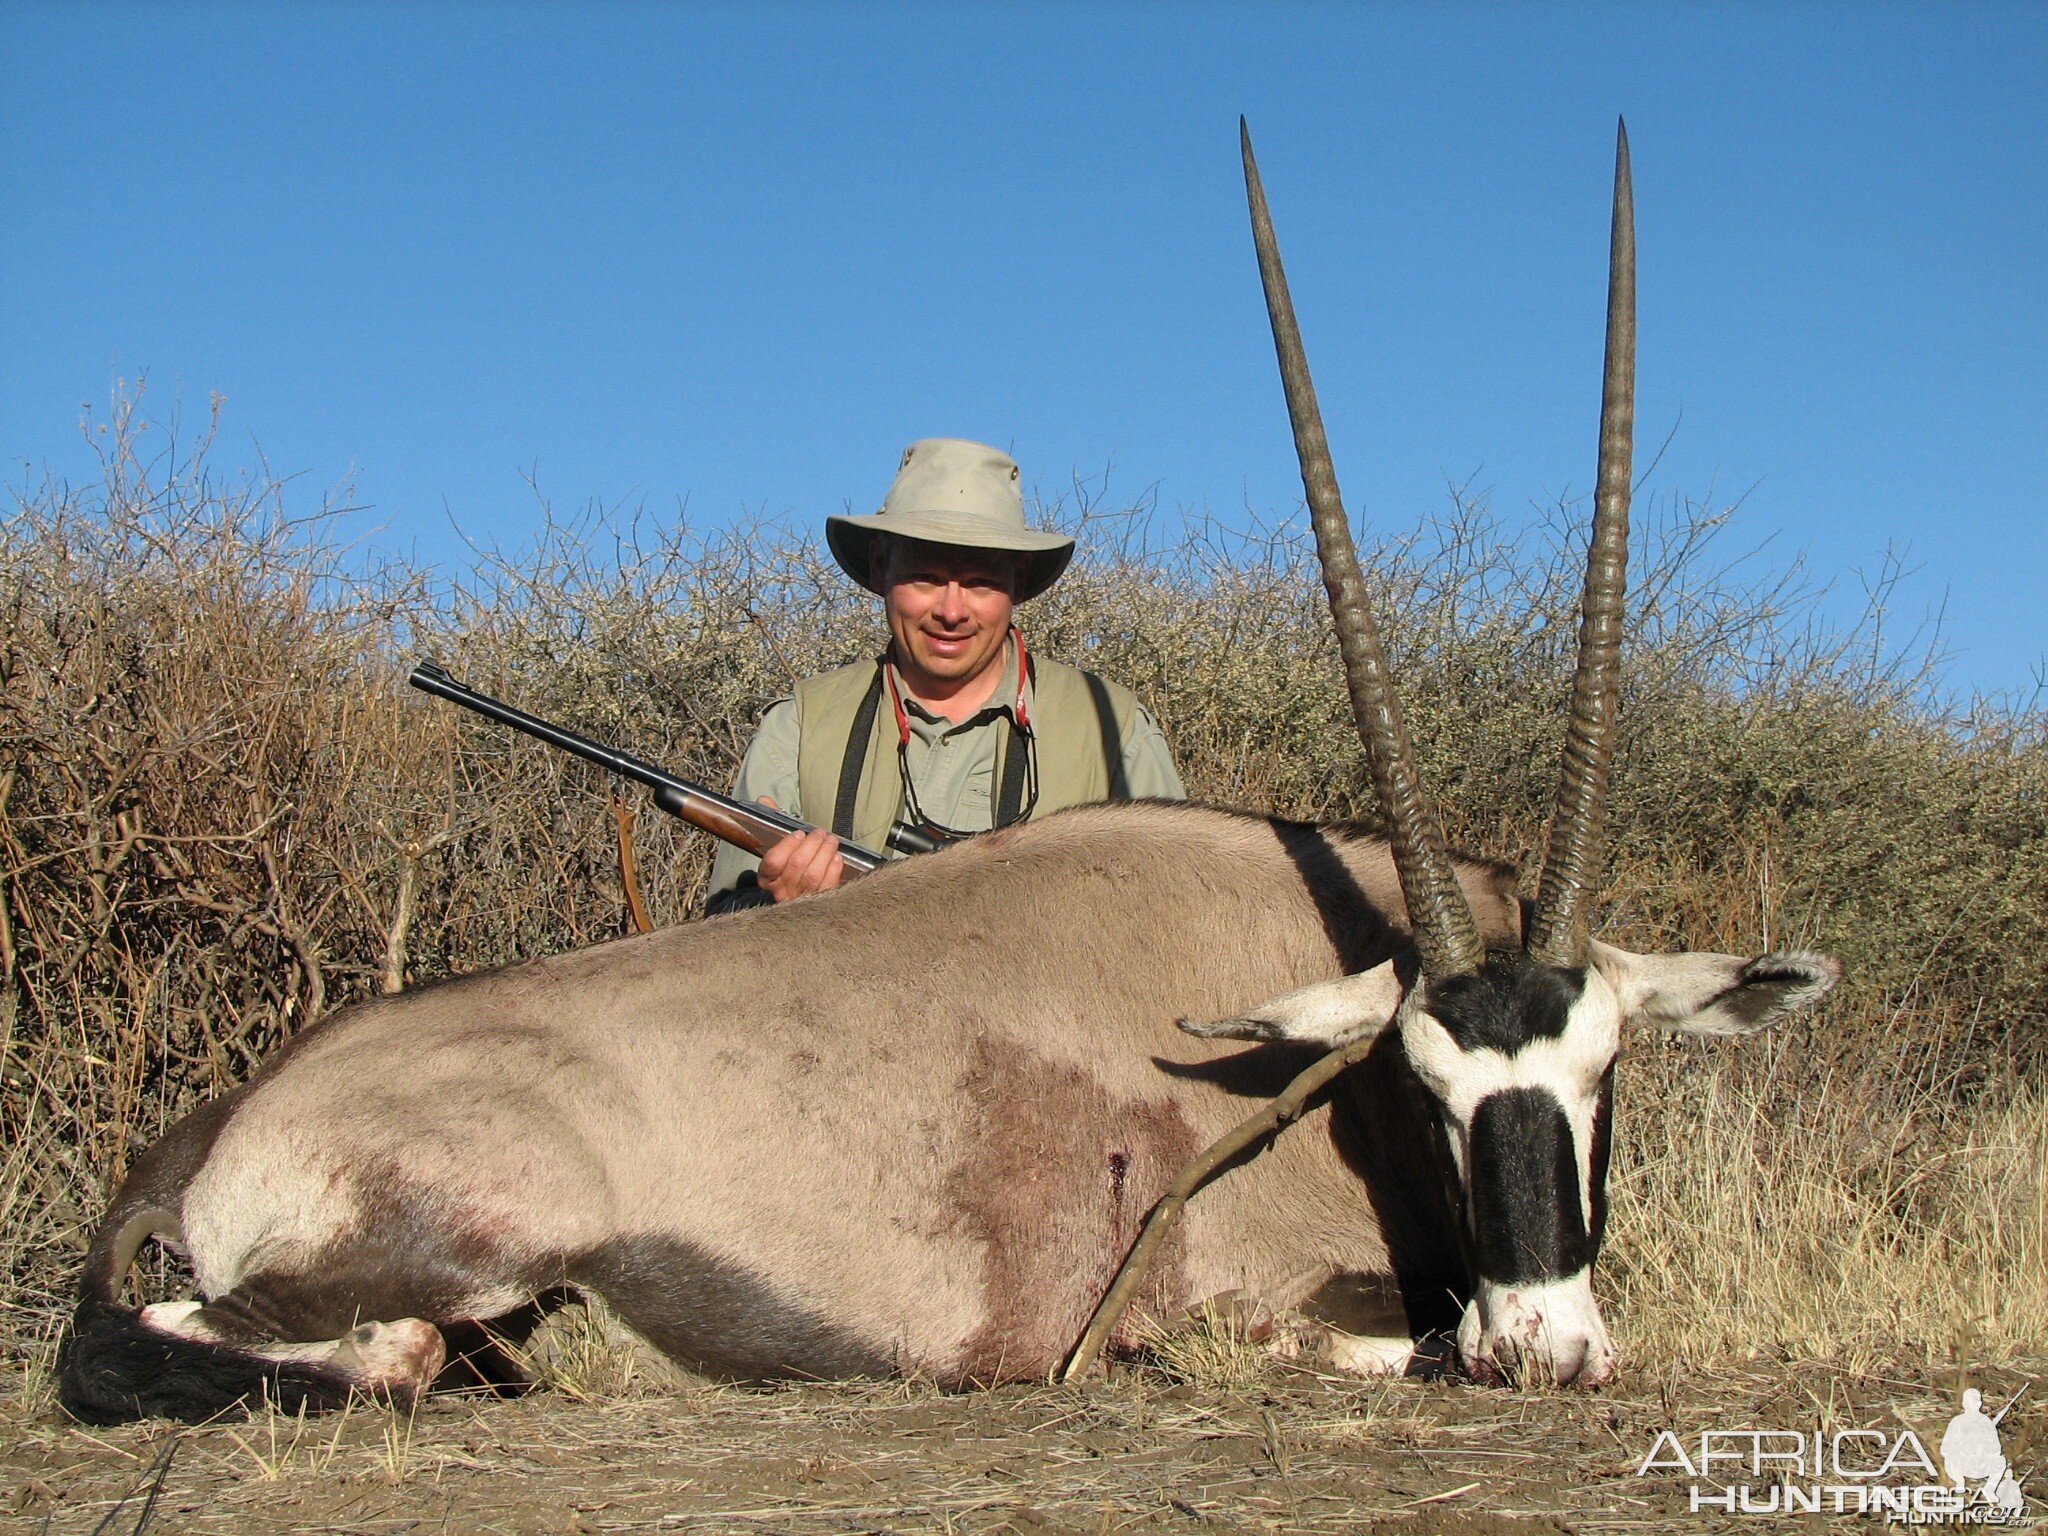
[[1851, 1471]]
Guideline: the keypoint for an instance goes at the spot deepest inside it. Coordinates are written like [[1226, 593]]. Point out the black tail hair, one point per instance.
[[113, 1367]]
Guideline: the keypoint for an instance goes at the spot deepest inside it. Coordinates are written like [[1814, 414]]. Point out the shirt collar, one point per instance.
[[1002, 702]]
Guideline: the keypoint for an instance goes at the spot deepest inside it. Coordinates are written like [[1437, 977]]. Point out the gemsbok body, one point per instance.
[[914, 1125]]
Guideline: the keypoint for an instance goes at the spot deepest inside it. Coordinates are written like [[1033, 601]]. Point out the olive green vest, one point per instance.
[[1080, 722]]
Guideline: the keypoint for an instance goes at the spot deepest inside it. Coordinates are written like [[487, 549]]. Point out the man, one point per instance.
[[956, 728]]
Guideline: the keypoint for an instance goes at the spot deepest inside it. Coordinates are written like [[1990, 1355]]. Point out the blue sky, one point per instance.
[[742, 255]]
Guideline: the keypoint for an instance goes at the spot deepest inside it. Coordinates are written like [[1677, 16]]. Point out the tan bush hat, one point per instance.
[[949, 491]]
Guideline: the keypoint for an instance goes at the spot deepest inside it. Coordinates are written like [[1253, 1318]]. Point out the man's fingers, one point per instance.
[[778, 863], [825, 866], [815, 865], [776, 859], [802, 863]]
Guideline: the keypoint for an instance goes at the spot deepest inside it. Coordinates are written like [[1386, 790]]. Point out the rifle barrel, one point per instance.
[[753, 827]]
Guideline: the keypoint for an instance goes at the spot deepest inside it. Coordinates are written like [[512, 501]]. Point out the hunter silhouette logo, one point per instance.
[[1971, 1453], [1886, 1472]]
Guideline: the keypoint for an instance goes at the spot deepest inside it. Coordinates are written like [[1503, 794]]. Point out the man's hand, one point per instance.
[[801, 863]]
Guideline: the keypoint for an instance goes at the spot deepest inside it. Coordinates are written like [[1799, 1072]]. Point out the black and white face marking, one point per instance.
[[1518, 1057]]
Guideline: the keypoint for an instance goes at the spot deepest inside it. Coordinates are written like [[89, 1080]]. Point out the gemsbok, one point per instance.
[[913, 1125]]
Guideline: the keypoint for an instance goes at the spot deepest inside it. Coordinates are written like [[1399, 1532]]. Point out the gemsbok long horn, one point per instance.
[[1573, 863], [1445, 935]]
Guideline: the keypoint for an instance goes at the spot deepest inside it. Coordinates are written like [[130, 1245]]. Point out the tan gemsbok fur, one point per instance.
[[913, 1126]]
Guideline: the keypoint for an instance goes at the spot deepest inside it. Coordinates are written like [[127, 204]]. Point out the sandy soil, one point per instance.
[[1292, 1452]]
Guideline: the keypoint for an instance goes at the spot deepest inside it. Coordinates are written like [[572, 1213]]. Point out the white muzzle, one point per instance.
[[1546, 1332]]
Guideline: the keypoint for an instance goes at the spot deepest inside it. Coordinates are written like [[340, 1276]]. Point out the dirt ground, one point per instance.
[[1293, 1451]]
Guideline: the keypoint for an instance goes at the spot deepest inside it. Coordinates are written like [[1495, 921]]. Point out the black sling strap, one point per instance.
[[1016, 761], [856, 758]]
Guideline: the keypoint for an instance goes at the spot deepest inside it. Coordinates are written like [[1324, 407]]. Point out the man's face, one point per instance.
[[949, 611]]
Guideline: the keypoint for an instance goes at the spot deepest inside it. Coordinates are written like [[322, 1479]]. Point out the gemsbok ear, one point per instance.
[[1710, 994], [1329, 1014]]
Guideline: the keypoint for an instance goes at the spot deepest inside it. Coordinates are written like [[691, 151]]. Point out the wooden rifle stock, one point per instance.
[[756, 828]]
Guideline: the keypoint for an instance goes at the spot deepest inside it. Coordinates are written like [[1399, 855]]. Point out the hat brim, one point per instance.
[[852, 542]]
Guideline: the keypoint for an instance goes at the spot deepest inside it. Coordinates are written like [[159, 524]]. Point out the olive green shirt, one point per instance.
[[951, 766]]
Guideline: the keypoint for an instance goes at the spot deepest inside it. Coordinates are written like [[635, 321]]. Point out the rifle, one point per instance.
[[756, 828]]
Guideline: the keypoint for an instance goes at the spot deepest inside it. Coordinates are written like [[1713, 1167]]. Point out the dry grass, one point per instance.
[[219, 817], [1219, 1348], [583, 1352], [1866, 1219]]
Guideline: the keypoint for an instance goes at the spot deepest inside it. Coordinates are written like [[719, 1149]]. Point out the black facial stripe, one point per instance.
[[1603, 1147], [1508, 1002], [1527, 1222]]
